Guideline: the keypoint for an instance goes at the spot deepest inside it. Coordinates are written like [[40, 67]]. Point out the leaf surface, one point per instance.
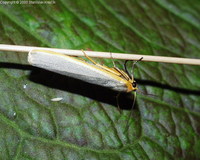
[[86, 124]]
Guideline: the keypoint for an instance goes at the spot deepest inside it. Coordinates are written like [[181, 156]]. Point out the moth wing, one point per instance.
[[75, 68]]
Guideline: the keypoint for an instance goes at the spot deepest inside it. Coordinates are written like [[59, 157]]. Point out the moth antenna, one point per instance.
[[134, 66], [125, 68]]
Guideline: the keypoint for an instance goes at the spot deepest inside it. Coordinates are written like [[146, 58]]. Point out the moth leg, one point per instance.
[[89, 58], [112, 60], [81, 59], [131, 113], [117, 99]]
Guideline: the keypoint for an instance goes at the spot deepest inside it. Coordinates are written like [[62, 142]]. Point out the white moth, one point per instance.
[[95, 73]]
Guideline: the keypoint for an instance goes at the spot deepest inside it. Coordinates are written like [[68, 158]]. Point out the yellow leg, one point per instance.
[[112, 70], [81, 59], [89, 57], [112, 60]]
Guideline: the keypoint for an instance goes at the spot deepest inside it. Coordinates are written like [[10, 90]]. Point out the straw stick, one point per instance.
[[176, 60]]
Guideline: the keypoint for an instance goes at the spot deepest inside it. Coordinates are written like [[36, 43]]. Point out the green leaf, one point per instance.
[[86, 124]]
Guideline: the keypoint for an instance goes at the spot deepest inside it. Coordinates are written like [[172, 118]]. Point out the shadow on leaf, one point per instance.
[[102, 94]]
